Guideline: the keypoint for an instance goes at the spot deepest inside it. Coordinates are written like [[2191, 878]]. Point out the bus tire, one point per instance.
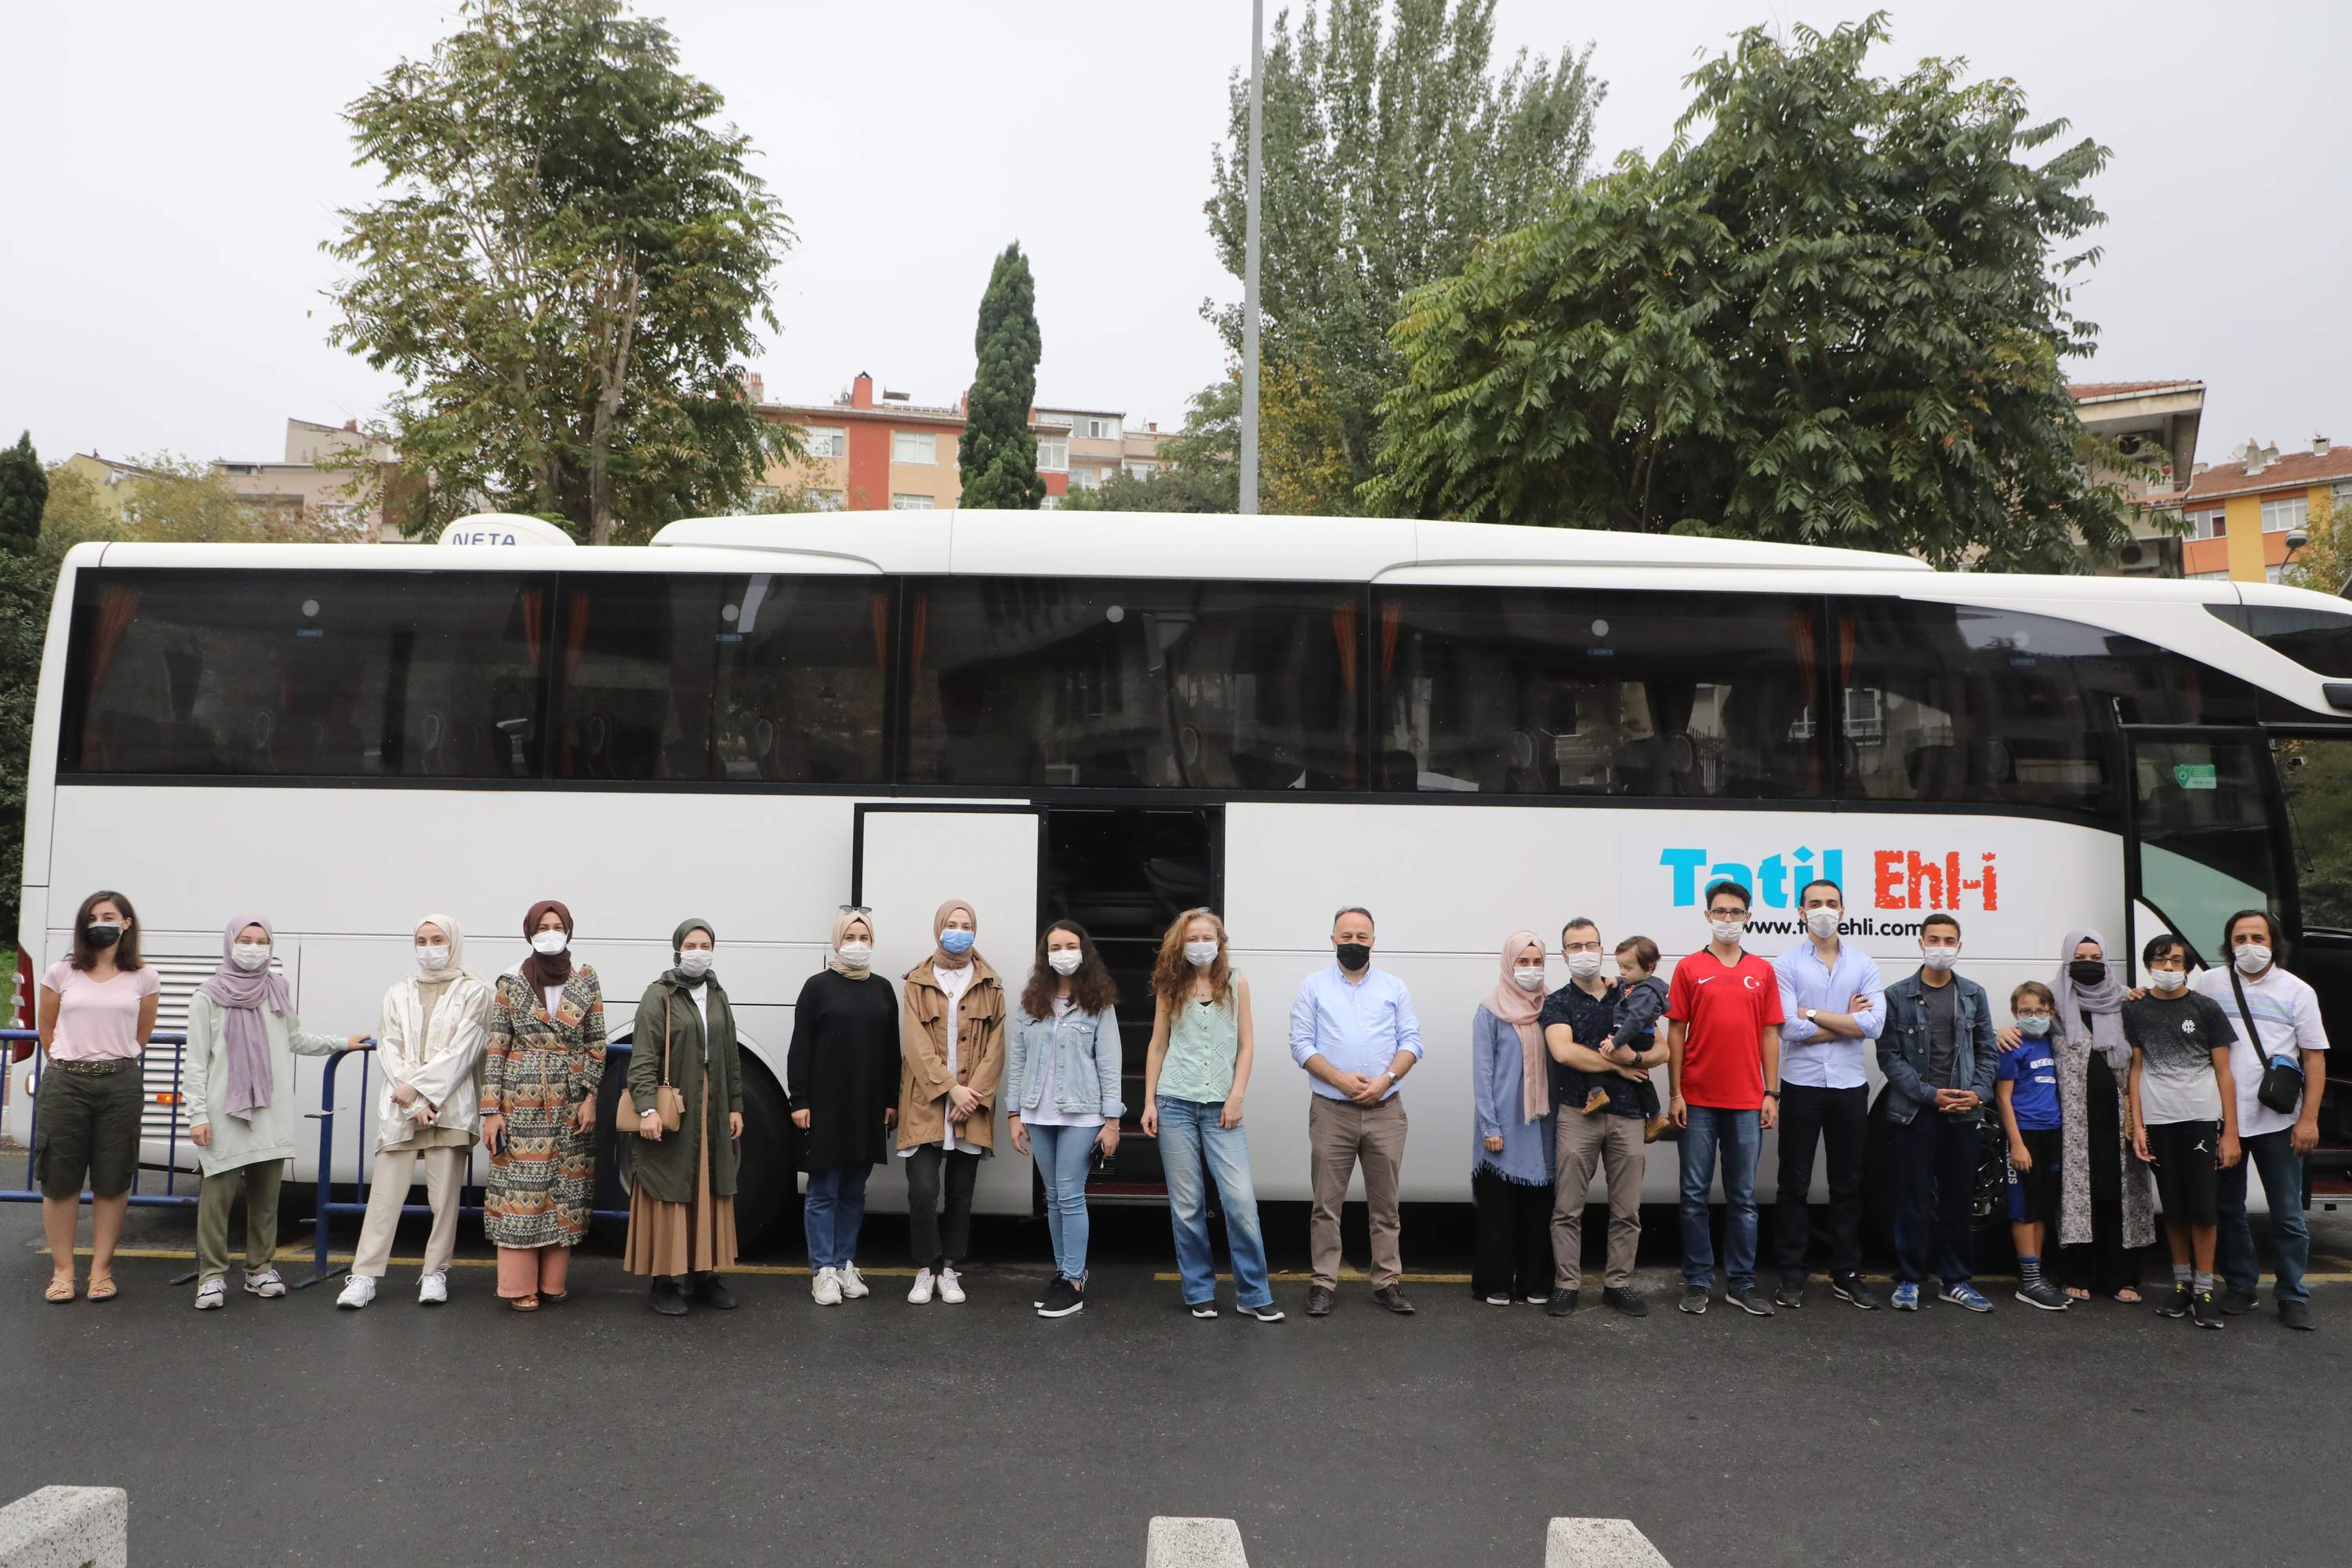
[[764, 1182]]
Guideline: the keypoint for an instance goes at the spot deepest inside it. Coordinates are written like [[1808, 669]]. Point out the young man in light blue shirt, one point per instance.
[[1353, 1029], [1833, 1004]]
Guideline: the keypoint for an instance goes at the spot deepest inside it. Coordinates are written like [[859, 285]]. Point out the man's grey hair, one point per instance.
[[1355, 910]]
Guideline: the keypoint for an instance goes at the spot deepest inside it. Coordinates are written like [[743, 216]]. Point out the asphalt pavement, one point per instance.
[[597, 1432]]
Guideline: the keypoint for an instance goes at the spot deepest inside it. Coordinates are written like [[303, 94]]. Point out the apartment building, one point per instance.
[[2156, 421], [2245, 515]]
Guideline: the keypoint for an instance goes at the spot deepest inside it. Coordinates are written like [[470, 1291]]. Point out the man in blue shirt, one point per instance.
[[1832, 1005], [1353, 1030]]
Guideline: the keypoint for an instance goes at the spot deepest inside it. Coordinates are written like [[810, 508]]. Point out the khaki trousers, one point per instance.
[[260, 1181], [1614, 1143], [1339, 1133], [395, 1171]]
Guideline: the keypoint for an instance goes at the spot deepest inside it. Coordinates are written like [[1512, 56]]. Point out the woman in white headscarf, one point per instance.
[[428, 1110]]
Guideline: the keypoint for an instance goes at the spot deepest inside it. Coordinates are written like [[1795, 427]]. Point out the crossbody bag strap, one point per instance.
[[670, 995], [2246, 1016]]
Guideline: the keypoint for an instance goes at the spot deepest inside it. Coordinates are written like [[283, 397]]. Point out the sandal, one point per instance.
[[60, 1290], [522, 1303], [101, 1289], [2076, 1293], [2129, 1297], [554, 1298]]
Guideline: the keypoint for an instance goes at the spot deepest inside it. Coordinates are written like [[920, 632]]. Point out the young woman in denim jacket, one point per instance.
[[1064, 1067]]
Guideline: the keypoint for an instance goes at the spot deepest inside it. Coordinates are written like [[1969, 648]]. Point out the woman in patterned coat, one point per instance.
[[543, 1060]]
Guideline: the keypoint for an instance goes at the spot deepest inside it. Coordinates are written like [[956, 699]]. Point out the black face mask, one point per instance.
[[1354, 956], [2086, 970], [102, 937]]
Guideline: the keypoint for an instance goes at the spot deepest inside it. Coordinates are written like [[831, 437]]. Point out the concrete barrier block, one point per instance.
[[67, 1527], [1600, 1544], [1193, 1544]]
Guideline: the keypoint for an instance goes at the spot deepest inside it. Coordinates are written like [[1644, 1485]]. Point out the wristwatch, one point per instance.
[[1772, 1094], [1812, 1014]]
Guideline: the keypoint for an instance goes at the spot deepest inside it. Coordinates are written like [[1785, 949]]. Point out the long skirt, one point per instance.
[[693, 1237]]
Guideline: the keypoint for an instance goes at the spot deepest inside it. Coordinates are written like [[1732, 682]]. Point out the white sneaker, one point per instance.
[[825, 1289], [433, 1290], [921, 1294], [951, 1288], [265, 1284], [358, 1291], [212, 1294], [853, 1284]]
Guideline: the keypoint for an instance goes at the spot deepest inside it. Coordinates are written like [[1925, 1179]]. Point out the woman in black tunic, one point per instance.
[[842, 1069]]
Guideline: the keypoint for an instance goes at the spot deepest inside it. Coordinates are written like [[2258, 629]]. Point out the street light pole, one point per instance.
[[1249, 262]]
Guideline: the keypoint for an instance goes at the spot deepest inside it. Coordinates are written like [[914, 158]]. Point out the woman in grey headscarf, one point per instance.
[[2107, 1210]]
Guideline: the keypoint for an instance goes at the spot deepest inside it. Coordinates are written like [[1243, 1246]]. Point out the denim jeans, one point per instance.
[[2274, 1155], [1061, 1155], [1191, 1140], [1936, 1160], [1740, 1135], [834, 1213]]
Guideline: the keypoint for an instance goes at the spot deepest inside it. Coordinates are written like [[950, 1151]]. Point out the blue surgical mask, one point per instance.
[[955, 941], [2033, 1028]]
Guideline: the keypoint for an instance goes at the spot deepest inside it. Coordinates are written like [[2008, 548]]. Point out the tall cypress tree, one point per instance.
[[23, 493], [998, 458]]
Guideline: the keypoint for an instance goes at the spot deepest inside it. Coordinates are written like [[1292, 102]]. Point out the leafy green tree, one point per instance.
[[24, 491], [24, 617], [997, 457], [1837, 316], [1390, 152], [568, 265], [1198, 469]]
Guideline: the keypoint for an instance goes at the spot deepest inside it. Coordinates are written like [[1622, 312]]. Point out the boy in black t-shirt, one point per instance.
[[2184, 1106]]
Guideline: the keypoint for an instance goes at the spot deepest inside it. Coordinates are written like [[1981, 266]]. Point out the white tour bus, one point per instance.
[[1467, 729]]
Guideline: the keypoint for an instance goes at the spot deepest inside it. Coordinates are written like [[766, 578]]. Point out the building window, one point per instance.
[[1052, 456], [760, 499], [901, 502], [1094, 429], [2286, 516], [1140, 470], [825, 440], [827, 501], [906, 447], [1049, 503], [2208, 524], [1085, 478]]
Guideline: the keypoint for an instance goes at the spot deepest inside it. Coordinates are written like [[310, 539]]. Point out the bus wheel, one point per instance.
[[763, 1172]]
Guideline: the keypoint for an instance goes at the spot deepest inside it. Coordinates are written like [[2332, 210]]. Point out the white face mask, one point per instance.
[[2168, 980], [1823, 922], [857, 954], [1728, 931], [2251, 958], [250, 956], [1066, 960], [550, 942], [1529, 979], [1584, 965], [694, 963], [1939, 959], [431, 960], [1200, 954]]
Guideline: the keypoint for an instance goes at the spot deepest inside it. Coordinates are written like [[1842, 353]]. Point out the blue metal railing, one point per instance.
[[171, 1195]]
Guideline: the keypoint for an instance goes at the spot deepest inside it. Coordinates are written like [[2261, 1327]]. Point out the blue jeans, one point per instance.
[[1935, 1161], [1061, 1155], [834, 1213], [1189, 1140], [2274, 1155], [1740, 1135]]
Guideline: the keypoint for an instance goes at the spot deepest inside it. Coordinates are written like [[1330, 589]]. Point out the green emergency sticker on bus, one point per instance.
[[2196, 775]]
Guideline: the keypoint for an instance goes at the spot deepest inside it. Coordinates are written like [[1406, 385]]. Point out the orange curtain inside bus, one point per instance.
[[117, 608]]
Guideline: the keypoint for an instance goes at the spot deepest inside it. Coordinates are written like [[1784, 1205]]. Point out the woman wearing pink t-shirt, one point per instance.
[[97, 1008]]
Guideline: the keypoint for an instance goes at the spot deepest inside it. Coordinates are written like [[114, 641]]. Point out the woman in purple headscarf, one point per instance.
[[237, 1091]]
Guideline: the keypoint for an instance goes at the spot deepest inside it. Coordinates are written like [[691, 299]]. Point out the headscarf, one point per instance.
[[540, 969], [243, 993], [1518, 1009], [841, 924], [457, 949], [2104, 1002], [941, 956], [676, 949]]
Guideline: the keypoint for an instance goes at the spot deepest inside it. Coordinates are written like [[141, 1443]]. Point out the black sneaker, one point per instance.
[[2296, 1314], [1202, 1308], [1062, 1300], [1625, 1301], [1792, 1294], [1749, 1300], [1561, 1305], [1269, 1313], [669, 1298], [2206, 1311], [1319, 1301], [1854, 1293], [2237, 1303], [712, 1292], [2043, 1295], [1694, 1301], [2176, 1302]]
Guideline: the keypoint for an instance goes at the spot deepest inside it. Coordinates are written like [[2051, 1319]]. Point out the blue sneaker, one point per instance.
[[1966, 1295], [1907, 1297]]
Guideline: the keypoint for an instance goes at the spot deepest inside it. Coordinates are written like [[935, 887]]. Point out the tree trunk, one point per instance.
[[613, 380]]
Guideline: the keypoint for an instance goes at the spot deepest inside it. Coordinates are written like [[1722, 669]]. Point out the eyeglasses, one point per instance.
[[855, 909]]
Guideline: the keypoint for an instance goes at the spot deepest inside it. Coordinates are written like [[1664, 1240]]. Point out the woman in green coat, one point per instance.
[[682, 1212]]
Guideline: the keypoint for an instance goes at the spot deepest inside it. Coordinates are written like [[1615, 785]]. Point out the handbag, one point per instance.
[[668, 1101], [2282, 1086]]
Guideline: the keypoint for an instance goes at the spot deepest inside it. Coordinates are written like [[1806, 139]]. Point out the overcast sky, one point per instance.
[[167, 172]]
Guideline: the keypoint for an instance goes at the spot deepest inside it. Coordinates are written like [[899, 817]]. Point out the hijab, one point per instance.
[[841, 924], [540, 969], [456, 966], [676, 949], [2104, 1002], [1519, 1009], [941, 957], [242, 994]]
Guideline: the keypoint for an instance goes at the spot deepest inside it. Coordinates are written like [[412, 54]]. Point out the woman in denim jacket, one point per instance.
[[1063, 1065]]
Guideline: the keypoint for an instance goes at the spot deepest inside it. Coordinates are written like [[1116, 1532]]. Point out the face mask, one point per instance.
[[102, 935], [1066, 960], [1939, 959], [856, 955], [1822, 923], [1200, 955], [2252, 958], [1584, 965], [249, 956], [2033, 1027], [955, 941], [1528, 979], [550, 942], [2168, 980], [1354, 956], [431, 960], [694, 963], [2087, 972], [1728, 931]]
